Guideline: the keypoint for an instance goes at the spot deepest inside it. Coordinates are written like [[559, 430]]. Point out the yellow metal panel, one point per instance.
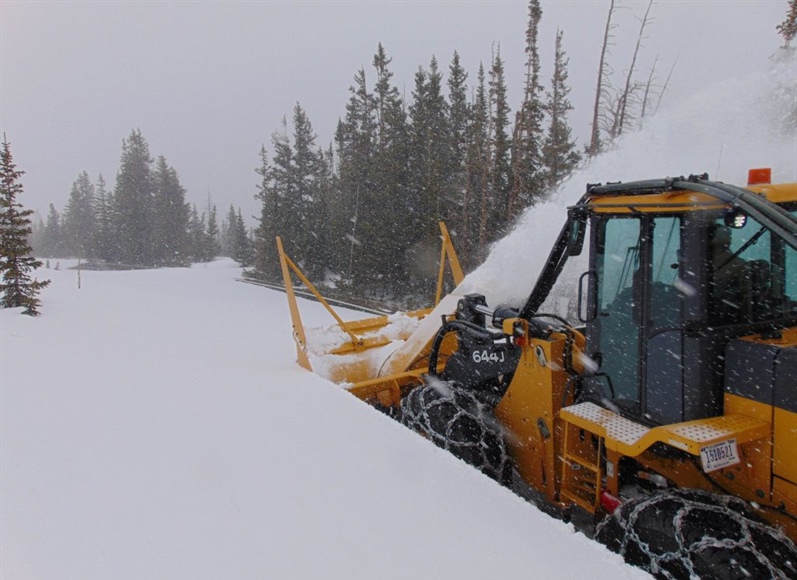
[[736, 405], [631, 439], [528, 413], [777, 193], [676, 201], [785, 438]]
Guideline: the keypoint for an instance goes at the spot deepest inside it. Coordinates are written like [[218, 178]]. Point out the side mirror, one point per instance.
[[575, 238]]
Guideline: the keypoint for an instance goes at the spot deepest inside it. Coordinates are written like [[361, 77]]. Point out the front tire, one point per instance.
[[454, 419], [696, 534]]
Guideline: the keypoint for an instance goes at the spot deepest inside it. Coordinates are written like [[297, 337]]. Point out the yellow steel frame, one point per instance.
[[356, 329]]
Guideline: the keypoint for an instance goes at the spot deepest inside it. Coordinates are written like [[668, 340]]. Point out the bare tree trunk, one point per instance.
[[666, 84], [627, 91], [648, 86], [594, 145]]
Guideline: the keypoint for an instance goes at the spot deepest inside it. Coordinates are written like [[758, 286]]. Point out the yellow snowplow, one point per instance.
[[659, 410]]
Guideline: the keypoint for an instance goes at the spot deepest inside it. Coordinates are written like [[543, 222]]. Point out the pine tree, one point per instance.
[[430, 146], [304, 209], [103, 203], [459, 118], [227, 234], [17, 289], [133, 203], [198, 239], [266, 260], [79, 221], [479, 163], [527, 170], [560, 156], [387, 207], [170, 217], [500, 170], [242, 245], [355, 143], [788, 28], [52, 237], [212, 244]]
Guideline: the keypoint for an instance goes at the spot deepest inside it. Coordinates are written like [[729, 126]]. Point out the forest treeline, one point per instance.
[[360, 216], [144, 221]]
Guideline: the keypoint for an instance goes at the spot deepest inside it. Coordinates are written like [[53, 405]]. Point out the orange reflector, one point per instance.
[[759, 176]]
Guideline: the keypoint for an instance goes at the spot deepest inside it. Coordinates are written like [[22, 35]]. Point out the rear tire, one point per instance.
[[454, 419], [695, 534]]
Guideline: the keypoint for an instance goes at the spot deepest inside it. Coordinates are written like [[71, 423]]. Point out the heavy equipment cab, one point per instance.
[[671, 280]]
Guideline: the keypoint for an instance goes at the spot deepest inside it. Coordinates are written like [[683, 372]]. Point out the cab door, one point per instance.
[[636, 334]]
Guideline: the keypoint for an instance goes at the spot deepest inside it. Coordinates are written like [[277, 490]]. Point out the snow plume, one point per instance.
[[723, 130]]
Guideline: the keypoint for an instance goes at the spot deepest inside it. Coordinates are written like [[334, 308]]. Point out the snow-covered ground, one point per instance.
[[154, 425]]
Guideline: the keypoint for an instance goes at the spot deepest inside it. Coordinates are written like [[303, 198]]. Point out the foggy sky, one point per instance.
[[207, 83]]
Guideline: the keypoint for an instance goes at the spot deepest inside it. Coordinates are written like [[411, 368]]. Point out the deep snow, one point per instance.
[[154, 424]]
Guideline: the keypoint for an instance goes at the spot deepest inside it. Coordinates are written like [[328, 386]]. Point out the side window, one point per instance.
[[790, 276], [618, 262], [665, 300], [752, 273]]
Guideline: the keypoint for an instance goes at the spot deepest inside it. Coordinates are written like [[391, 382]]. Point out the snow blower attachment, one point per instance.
[[659, 412], [357, 352]]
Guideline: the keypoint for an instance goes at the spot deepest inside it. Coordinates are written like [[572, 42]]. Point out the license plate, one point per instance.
[[719, 455]]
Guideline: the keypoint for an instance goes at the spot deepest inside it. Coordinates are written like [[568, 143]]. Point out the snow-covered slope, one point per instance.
[[155, 425], [724, 130]]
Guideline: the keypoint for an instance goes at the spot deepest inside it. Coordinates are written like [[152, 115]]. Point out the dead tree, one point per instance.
[[603, 71]]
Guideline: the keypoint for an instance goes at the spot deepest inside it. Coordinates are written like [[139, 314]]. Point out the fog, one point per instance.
[[208, 82]]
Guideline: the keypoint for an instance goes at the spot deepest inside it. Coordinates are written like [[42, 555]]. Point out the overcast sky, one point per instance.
[[208, 82]]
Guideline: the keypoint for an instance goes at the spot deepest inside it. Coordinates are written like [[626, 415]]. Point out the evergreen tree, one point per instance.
[[52, 237], [430, 154], [459, 118], [479, 162], [133, 203], [227, 234], [198, 239], [305, 215], [104, 232], [17, 289], [500, 171], [355, 142], [788, 28], [266, 260], [432, 167], [212, 244], [79, 221], [527, 171], [388, 205], [243, 252], [170, 218], [559, 153]]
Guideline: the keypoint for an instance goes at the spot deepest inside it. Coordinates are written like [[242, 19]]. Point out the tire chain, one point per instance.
[[454, 419], [744, 548]]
